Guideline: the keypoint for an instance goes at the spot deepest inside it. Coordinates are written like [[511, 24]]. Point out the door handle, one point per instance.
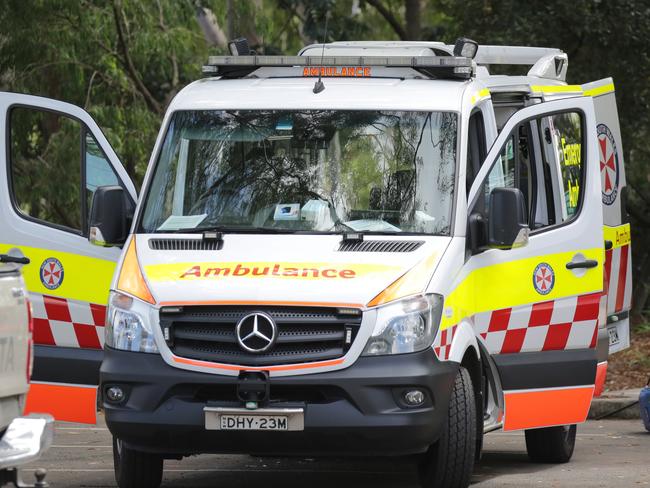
[[589, 263], [6, 258], [608, 245]]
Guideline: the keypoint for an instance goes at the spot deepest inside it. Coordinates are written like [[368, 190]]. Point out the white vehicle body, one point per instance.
[[22, 439], [529, 318]]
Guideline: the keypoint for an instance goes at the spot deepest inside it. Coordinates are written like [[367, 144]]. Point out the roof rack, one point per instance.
[[545, 62], [448, 67]]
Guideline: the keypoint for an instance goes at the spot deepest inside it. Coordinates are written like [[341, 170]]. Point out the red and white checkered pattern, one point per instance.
[[67, 323], [567, 323], [442, 344], [618, 275]]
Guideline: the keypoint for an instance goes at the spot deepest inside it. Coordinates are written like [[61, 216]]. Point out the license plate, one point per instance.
[[613, 336], [253, 422], [272, 419]]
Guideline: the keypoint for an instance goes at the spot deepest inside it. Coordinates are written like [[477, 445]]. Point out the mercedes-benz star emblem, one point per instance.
[[256, 332]]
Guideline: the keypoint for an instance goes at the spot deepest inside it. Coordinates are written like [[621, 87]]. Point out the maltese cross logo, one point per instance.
[[51, 273], [543, 278]]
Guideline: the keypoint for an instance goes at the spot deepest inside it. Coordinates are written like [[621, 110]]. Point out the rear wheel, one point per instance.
[[551, 444], [450, 461], [136, 469]]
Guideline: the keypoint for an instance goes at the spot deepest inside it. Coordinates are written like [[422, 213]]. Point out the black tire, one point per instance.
[[136, 469], [551, 444], [450, 461]]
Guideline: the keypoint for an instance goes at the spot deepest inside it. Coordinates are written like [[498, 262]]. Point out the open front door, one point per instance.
[[53, 157], [539, 305]]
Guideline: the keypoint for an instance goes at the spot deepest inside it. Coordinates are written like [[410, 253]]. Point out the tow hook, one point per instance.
[[253, 388], [39, 474]]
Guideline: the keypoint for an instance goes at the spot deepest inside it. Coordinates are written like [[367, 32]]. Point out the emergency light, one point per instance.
[[434, 66], [465, 47]]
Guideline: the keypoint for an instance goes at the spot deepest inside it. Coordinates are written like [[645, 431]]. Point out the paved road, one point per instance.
[[611, 453]]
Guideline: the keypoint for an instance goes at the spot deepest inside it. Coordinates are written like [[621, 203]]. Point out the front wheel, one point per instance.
[[450, 461], [136, 469], [551, 444]]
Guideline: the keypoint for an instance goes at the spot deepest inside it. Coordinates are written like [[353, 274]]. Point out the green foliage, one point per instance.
[[124, 60]]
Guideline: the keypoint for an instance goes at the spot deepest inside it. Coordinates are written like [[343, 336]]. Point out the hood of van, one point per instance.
[[287, 269]]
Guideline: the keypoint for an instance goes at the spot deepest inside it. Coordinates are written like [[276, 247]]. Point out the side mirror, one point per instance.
[[108, 217], [507, 219]]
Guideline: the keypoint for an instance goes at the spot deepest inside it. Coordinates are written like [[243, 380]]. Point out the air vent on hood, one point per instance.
[[379, 246], [185, 244]]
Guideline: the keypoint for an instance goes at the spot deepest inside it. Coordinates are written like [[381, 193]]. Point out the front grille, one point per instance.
[[305, 334]]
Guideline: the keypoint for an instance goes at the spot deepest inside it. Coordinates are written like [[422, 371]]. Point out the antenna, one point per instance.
[[319, 86]]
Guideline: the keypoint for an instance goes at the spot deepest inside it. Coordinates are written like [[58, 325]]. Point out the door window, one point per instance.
[[45, 166], [543, 158], [56, 165], [98, 171], [563, 153]]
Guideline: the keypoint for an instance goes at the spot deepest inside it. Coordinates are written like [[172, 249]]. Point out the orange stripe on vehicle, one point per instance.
[[413, 281], [230, 367], [261, 302], [601, 375], [530, 409], [68, 403], [131, 279]]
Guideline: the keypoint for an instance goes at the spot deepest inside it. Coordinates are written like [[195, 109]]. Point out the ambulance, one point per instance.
[[370, 248]]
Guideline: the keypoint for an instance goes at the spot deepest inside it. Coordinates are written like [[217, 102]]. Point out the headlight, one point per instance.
[[129, 324], [408, 325]]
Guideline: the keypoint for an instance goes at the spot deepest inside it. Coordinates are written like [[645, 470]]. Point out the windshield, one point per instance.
[[305, 170]]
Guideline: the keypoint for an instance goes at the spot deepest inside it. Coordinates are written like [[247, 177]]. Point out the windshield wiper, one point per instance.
[[231, 230]]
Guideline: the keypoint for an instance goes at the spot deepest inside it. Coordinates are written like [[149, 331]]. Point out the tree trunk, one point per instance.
[[413, 20], [230, 19]]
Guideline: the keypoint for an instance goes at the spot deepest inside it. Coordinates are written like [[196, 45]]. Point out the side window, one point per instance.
[[98, 170], [562, 136], [46, 166], [543, 159]]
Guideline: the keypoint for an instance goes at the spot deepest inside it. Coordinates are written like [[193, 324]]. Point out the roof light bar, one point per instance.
[[459, 66], [384, 61]]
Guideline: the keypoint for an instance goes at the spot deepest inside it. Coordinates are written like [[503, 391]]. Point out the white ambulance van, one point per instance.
[[371, 248]]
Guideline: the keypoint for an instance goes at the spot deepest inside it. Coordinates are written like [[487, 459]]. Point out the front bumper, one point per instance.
[[355, 411], [25, 440]]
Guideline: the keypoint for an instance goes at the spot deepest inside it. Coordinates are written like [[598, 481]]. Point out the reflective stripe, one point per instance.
[[566, 323], [618, 268], [577, 89], [412, 282], [622, 278], [618, 236], [68, 403], [480, 95], [479, 291], [557, 89], [85, 278], [529, 409], [231, 367], [599, 90], [286, 303], [131, 280], [67, 323], [601, 375]]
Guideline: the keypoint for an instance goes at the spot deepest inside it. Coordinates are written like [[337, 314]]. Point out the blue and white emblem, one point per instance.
[[543, 278]]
